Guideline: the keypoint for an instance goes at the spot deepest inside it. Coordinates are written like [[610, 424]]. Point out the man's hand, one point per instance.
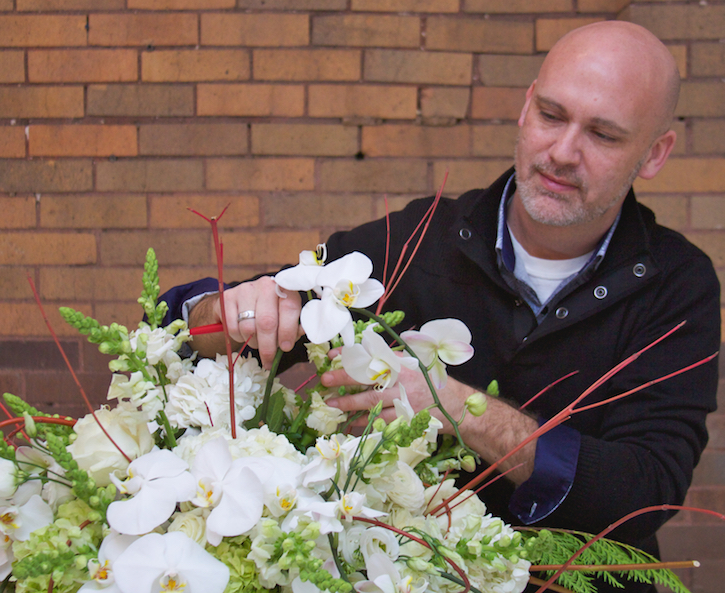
[[276, 321], [491, 435]]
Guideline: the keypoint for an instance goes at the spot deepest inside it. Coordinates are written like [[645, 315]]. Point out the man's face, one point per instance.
[[582, 142]]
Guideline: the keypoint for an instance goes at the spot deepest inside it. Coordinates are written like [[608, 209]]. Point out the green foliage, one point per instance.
[[553, 546], [154, 312], [19, 408]]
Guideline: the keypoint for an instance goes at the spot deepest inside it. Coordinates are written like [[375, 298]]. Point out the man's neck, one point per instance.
[[556, 242]]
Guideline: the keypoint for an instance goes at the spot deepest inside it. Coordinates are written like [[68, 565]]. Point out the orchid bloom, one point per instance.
[[438, 342], [170, 562], [101, 569], [25, 512], [384, 577], [303, 276], [157, 481], [343, 284], [233, 491], [373, 362]]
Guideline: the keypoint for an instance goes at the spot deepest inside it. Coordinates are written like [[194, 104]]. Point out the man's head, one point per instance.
[[597, 117]]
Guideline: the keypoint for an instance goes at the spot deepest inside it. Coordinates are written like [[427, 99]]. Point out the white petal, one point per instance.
[[240, 507], [34, 514], [454, 352], [423, 345], [300, 277], [356, 362], [442, 330], [370, 291], [354, 267], [322, 319]]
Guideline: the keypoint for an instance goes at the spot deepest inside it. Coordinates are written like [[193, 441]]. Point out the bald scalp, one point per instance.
[[636, 54]]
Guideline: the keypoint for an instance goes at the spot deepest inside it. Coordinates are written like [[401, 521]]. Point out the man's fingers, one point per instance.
[[289, 320], [358, 401], [266, 319]]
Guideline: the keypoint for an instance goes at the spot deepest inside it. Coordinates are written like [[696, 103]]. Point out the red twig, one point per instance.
[[72, 372], [613, 526], [569, 410], [387, 242], [39, 419], [545, 389], [219, 252]]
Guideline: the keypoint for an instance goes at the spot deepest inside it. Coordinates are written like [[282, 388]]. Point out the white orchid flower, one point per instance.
[[303, 276], [8, 478], [343, 283], [373, 362], [439, 342], [157, 481], [170, 562], [101, 569], [233, 491], [38, 463], [384, 577], [20, 516], [352, 504], [6, 556], [329, 453]]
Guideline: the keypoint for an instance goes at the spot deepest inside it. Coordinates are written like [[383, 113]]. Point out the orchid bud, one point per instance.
[[30, 428], [468, 463], [476, 403], [492, 388], [377, 409]]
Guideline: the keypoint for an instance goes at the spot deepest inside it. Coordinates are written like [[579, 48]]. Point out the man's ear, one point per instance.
[[525, 108], [658, 153]]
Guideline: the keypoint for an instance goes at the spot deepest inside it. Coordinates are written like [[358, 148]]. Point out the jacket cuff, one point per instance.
[[557, 452]]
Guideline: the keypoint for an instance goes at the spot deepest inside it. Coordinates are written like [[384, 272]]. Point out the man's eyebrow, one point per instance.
[[608, 124]]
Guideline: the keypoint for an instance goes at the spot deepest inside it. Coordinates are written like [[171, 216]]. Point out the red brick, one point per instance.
[[300, 210], [679, 52], [25, 319], [82, 65], [93, 211], [261, 30], [14, 282], [415, 140], [155, 100], [169, 212], [42, 30], [82, 140], [143, 29], [415, 66], [150, 175], [508, 71], [366, 30], [90, 283], [257, 174], [293, 4], [465, 174], [437, 102], [6, 5], [185, 65], [267, 248], [549, 31], [250, 100], [306, 64], [495, 140], [518, 6], [480, 35], [708, 212], [46, 176], [55, 5], [193, 139], [18, 212], [708, 136], [171, 247], [304, 139], [497, 102], [41, 101], [686, 175], [708, 59], [613, 6], [678, 21], [126, 314], [12, 142], [12, 66], [180, 4], [680, 148], [671, 211], [36, 248], [406, 5], [701, 99], [371, 175], [388, 102]]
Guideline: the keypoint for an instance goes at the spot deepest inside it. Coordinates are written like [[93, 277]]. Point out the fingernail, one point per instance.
[[286, 346]]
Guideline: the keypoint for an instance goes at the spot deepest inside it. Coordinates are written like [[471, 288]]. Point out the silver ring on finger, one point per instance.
[[245, 315]]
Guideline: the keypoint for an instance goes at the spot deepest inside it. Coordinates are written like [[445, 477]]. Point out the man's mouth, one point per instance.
[[557, 183]]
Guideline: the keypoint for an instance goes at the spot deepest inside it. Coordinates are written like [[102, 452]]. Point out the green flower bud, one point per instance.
[[492, 388], [468, 463], [476, 403], [119, 366], [30, 427], [377, 409], [379, 425]]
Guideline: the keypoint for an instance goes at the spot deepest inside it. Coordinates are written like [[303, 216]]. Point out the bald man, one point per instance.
[[554, 268]]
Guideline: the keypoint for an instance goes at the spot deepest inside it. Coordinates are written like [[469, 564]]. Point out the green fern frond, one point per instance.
[[554, 547]]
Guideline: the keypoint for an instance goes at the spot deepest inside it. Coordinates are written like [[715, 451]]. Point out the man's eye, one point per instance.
[[549, 116], [604, 137]]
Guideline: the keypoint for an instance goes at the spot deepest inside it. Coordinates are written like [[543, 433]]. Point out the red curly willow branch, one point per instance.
[[219, 252], [72, 372], [422, 542], [613, 526], [40, 420]]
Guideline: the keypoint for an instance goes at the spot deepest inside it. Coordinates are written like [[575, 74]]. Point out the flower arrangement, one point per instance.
[[180, 487]]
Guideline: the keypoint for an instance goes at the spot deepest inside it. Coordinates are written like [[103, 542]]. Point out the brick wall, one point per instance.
[[117, 115]]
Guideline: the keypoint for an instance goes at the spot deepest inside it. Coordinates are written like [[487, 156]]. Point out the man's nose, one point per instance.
[[566, 149]]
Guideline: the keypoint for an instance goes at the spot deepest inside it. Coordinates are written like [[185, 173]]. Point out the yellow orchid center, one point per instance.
[[102, 572], [169, 583], [346, 293], [8, 519]]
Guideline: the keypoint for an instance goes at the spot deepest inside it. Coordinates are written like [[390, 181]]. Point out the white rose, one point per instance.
[[407, 490], [192, 524], [96, 454]]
